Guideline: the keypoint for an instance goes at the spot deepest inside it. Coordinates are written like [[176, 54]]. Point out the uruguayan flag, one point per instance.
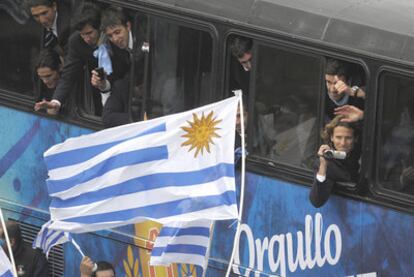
[[6, 269], [182, 242], [47, 238], [175, 168]]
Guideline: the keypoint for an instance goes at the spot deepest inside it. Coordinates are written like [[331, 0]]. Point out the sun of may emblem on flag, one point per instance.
[[200, 133]]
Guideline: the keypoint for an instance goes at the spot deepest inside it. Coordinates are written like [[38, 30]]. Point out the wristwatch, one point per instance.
[[354, 91]]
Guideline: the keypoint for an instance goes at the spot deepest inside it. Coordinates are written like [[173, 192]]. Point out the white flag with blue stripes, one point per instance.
[[6, 268], [47, 238], [182, 242], [174, 168]]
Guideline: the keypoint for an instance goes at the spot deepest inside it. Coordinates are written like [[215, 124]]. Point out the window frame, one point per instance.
[[262, 164], [376, 184]]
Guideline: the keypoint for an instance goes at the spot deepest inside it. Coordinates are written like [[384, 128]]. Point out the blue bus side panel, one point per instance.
[[24, 139], [355, 237]]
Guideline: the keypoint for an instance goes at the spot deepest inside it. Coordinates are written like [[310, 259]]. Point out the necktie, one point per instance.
[[50, 39]]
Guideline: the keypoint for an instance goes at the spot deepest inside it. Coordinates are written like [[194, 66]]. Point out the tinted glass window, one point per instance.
[[396, 151], [20, 42], [287, 87], [180, 66]]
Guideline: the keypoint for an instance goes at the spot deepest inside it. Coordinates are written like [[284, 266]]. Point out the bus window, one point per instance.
[[396, 151], [127, 64], [19, 47], [345, 85], [287, 87], [180, 63]]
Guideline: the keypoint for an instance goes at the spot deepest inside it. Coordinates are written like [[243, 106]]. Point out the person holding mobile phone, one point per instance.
[[338, 159]]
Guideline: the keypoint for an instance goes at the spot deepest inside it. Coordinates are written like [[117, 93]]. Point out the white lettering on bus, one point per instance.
[[283, 245]]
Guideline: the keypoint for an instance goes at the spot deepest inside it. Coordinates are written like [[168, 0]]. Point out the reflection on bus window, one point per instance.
[[396, 157], [17, 56], [180, 68], [286, 100]]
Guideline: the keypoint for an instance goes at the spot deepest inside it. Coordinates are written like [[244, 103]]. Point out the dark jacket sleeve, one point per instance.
[[72, 70], [63, 24], [337, 171], [320, 192], [41, 268], [115, 112]]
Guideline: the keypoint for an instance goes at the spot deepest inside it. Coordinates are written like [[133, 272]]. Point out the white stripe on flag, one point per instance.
[[47, 238], [178, 167], [5, 265], [155, 197], [182, 242]]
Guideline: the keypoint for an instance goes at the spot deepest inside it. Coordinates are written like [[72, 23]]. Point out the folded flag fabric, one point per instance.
[[182, 242], [104, 60], [47, 238], [6, 268], [174, 168]]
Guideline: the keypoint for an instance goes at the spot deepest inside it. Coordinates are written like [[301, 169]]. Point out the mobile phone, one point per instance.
[[101, 72]]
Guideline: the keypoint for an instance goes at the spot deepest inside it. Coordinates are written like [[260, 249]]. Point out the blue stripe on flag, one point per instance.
[[121, 160], [45, 239], [75, 156], [176, 232], [45, 234], [8, 273], [53, 242], [162, 210], [148, 182], [179, 248]]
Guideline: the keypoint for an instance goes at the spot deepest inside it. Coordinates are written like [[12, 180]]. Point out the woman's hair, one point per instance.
[[48, 58], [327, 132]]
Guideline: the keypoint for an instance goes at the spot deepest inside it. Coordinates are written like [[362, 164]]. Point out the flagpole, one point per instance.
[[243, 169], [6, 235], [77, 247], [208, 249]]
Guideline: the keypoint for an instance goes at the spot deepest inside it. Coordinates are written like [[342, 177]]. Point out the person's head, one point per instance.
[[104, 269], [15, 235], [116, 26], [335, 70], [340, 135], [43, 11], [48, 67], [241, 49], [87, 22]]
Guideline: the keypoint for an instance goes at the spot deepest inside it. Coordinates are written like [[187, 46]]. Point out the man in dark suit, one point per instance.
[[127, 57], [241, 49], [120, 57], [55, 19], [81, 45], [341, 88]]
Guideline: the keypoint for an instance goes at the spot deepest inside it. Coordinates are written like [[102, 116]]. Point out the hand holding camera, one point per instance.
[[327, 153], [98, 79]]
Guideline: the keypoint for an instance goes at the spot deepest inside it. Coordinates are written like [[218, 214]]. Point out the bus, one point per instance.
[[363, 230]]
